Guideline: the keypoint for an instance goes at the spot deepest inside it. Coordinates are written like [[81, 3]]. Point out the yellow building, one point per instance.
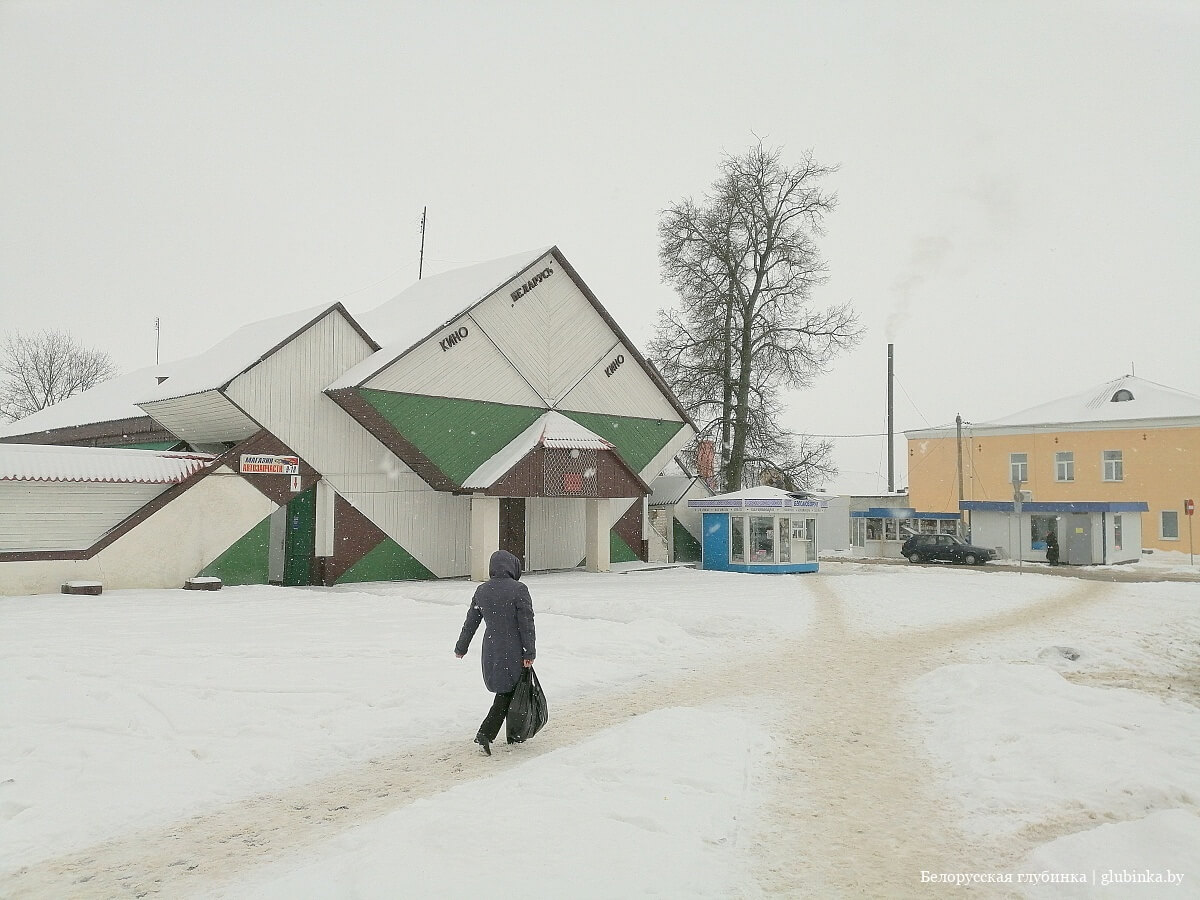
[[1126, 440]]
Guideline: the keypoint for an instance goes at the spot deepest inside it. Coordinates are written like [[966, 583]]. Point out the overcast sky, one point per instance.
[[1018, 181]]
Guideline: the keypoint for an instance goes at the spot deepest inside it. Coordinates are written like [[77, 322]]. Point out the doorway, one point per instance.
[[293, 541], [512, 527]]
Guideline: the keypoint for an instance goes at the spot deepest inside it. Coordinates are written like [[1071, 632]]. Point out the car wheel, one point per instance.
[[914, 557], [970, 559]]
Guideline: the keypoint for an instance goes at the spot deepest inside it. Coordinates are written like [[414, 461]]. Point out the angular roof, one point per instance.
[[216, 367], [42, 462], [108, 401], [424, 307], [667, 490], [550, 430], [1102, 403]]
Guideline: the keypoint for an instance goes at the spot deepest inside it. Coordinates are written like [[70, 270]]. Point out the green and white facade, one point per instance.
[[494, 406]]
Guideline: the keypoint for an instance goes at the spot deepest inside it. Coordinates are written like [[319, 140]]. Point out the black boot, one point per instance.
[[482, 741]]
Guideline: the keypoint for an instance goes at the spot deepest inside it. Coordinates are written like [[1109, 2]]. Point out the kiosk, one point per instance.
[[760, 529]]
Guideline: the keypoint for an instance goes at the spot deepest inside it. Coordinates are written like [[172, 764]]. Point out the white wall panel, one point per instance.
[[449, 364], [552, 334], [656, 465], [201, 418], [555, 533], [618, 385], [57, 515], [285, 392], [163, 551]]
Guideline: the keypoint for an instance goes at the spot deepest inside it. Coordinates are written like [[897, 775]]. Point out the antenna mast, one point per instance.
[[421, 260], [157, 337]]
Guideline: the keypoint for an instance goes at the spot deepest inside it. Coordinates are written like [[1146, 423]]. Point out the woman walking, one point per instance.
[[506, 608]]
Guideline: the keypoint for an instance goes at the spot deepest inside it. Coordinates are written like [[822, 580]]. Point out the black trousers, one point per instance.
[[490, 727]]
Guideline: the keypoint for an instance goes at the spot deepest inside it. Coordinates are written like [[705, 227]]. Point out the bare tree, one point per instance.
[[744, 262], [42, 368]]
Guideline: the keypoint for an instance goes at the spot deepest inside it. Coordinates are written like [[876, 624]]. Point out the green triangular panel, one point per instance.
[[387, 561], [687, 548], [458, 436], [247, 560], [637, 440], [618, 550]]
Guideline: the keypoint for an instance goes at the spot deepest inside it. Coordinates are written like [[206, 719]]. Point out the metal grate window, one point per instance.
[[570, 473]]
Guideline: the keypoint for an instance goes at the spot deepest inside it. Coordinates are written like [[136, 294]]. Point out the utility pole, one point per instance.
[[961, 493], [891, 451], [421, 260]]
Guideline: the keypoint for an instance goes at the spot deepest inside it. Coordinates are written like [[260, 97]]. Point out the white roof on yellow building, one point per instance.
[[1124, 400]]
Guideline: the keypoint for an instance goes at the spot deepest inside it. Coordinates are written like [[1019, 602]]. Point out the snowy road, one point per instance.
[[849, 802]]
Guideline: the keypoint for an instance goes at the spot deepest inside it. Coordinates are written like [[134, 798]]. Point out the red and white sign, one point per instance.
[[1189, 508], [258, 464]]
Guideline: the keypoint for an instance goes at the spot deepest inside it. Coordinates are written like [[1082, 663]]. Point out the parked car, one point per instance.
[[944, 548]]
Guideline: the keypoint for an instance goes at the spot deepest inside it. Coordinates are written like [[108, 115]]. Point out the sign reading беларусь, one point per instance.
[[257, 464]]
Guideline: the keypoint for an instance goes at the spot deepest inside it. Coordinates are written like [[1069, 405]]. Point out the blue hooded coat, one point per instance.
[[504, 605]]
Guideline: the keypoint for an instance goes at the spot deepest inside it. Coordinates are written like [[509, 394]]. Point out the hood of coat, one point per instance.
[[504, 565]]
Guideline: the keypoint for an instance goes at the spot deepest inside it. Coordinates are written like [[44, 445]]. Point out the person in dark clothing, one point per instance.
[[1052, 547], [506, 608]]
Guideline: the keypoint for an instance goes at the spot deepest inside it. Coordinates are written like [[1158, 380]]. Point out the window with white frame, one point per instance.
[[1117, 536], [1018, 467], [1170, 524], [1114, 465], [1064, 465]]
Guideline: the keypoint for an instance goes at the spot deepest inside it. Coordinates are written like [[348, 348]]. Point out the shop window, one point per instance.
[[785, 540], [1114, 466], [737, 539], [1117, 532], [1018, 467], [762, 539], [1039, 527], [1170, 525], [1064, 466], [947, 526], [889, 529], [929, 526]]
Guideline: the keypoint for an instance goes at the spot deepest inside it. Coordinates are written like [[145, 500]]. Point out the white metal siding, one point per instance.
[[473, 368], [552, 334], [53, 515], [625, 390], [656, 465], [201, 418], [285, 392], [555, 533]]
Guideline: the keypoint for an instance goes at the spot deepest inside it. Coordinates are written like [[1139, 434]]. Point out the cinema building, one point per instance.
[[497, 406]]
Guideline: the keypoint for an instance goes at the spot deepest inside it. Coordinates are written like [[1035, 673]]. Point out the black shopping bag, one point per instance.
[[527, 712]]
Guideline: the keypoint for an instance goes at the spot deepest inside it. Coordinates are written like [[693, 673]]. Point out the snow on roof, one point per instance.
[[41, 462], [667, 490], [762, 496], [106, 402], [550, 430], [419, 310], [1128, 397], [222, 363]]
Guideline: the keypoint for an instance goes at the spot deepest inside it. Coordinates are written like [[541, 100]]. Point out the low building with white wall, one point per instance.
[[1088, 532]]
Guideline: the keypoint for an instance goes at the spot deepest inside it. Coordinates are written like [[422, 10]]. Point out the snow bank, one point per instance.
[[1019, 745]]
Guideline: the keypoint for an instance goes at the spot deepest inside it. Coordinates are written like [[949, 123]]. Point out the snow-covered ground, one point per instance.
[[877, 731]]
